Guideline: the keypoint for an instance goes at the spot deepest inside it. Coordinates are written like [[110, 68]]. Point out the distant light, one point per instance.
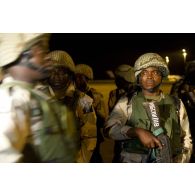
[[167, 59], [184, 53], [183, 50]]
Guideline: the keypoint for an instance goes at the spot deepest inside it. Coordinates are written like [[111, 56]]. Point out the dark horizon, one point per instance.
[[105, 51]]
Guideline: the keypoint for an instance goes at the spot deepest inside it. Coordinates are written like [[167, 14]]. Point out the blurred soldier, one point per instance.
[[125, 82], [33, 128], [84, 74], [185, 89], [130, 121], [62, 82]]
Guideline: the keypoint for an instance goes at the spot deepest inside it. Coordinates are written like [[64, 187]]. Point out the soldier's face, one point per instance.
[[81, 82], [150, 78], [60, 78]]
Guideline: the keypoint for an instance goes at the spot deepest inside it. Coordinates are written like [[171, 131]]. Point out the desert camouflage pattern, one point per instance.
[[151, 59], [85, 70], [87, 124], [13, 44], [62, 58], [22, 118], [126, 72], [117, 123]]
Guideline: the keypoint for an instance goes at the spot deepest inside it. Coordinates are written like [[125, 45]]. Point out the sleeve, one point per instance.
[[186, 135], [111, 100], [88, 130], [100, 108], [116, 122], [14, 128]]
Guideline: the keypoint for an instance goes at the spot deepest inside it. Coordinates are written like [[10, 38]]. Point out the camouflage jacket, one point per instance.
[[82, 106], [32, 130], [121, 114]]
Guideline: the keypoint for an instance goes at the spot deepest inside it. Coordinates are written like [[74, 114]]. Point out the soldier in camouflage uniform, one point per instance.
[[130, 121], [62, 82], [125, 82], [84, 74], [185, 89], [33, 128]]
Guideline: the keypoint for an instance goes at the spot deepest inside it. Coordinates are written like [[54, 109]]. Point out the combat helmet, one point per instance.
[[85, 70], [62, 58], [126, 72], [12, 45], [148, 60]]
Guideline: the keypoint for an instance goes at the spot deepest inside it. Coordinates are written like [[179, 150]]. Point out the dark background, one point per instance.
[[105, 51]]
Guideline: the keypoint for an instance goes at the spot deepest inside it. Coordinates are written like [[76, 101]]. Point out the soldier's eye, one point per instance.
[[156, 72]]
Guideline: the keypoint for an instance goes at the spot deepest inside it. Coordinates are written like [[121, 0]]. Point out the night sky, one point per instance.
[[105, 51]]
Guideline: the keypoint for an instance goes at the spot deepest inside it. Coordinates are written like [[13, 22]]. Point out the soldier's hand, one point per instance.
[[147, 138]]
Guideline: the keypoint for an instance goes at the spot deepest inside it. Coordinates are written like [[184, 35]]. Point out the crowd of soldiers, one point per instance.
[[49, 112]]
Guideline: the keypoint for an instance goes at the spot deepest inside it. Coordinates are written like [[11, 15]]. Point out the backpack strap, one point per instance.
[[177, 102]]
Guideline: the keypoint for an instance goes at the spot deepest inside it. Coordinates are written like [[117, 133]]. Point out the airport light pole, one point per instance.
[[184, 53]]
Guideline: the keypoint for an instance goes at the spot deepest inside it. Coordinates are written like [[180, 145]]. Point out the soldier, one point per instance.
[[34, 129], [130, 121], [62, 82], [125, 82], [185, 89], [84, 74]]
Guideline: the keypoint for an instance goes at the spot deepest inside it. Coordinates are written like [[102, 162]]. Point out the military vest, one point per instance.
[[53, 136], [169, 121]]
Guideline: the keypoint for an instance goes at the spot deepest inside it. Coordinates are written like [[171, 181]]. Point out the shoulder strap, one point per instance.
[[176, 101]]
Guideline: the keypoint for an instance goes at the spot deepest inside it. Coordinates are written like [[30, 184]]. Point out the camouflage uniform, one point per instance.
[[185, 89], [130, 113], [125, 72], [81, 104], [99, 106], [31, 129], [87, 123]]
